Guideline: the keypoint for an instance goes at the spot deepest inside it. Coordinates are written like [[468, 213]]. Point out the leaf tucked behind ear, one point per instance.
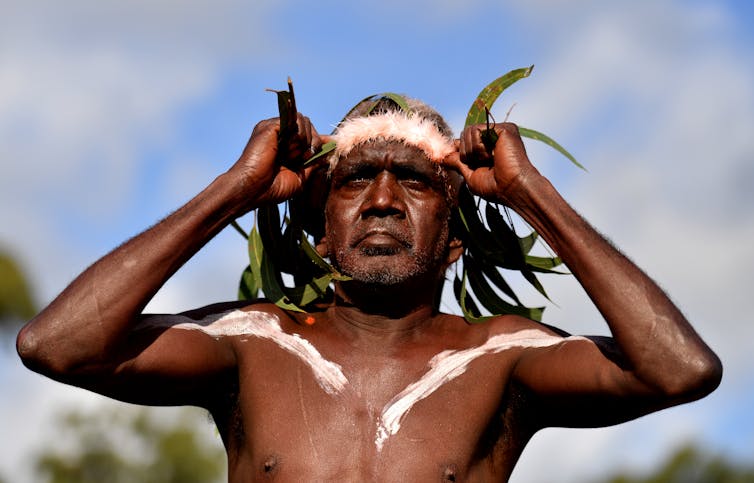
[[248, 287], [271, 281], [470, 311], [315, 257], [489, 298]]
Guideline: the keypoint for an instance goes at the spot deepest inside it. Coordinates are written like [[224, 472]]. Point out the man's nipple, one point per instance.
[[270, 466], [449, 473]]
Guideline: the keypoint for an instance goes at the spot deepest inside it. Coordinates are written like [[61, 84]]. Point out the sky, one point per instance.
[[113, 114]]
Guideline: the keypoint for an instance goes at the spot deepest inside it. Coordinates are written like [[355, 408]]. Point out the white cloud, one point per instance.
[[669, 186], [86, 89]]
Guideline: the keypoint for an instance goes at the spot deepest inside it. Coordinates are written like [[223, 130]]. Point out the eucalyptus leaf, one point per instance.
[[506, 239], [495, 277], [397, 98], [317, 259], [478, 112], [544, 263], [271, 281], [490, 299], [238, 228], [248, 286], [489, 139], [478, 236], [273, 237], [309, 292], [324, 150], [255, 254], [288, 116], [482, 290], [484, 244], [528, 274], [469, 308], [538, 136], [527, 242]]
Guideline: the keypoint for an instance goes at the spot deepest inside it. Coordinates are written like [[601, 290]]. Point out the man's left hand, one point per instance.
[[499, 176]]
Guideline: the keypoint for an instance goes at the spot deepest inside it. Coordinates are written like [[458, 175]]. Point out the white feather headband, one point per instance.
[[392, 126]]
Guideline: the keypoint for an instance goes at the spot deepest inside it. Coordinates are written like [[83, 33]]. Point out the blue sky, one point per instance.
[[113, 114]]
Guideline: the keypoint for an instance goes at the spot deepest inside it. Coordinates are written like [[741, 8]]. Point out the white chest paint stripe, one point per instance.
[[443, 367], [446, 366], [328, 375]]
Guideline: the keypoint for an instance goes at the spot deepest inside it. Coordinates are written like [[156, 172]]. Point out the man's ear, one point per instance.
[[321, 247], [455, 250]]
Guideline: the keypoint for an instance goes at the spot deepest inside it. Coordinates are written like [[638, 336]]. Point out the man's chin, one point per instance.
[[383, 266], [381, 270], [381, 277]]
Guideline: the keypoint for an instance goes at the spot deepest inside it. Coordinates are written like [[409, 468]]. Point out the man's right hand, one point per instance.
[[262, 175], [87, 336]]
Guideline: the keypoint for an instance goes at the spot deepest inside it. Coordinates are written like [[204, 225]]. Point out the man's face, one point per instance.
[[387, 215]]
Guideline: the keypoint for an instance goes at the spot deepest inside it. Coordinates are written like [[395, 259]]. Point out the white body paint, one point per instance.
[[329, 375], [443, 367]]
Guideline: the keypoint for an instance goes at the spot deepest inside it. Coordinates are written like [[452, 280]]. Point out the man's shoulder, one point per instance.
[[508, 324], [476, 333], [256, 305]]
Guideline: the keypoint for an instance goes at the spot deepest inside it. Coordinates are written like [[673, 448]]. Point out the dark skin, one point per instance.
[[387, 225]]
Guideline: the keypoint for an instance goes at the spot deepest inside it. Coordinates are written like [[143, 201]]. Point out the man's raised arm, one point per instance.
[[655, 358], [85, 336]]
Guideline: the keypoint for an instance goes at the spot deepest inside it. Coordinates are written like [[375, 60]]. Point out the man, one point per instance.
[[377, 385]]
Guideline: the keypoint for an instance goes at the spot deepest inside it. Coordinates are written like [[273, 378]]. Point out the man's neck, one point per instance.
[[394, 301], [383, 312], [380, 329]]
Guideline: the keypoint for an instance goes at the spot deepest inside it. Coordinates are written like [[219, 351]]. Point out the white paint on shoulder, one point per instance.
[[329, 375], [445, 367]]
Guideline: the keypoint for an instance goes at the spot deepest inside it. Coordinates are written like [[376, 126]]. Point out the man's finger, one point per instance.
[[453, 161]]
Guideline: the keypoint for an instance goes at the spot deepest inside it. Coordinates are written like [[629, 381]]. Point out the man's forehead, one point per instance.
[[374, 154], [391, 152]]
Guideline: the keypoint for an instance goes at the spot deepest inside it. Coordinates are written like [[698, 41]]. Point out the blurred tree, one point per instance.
[[130, 444], [16, 301], [689, 464]]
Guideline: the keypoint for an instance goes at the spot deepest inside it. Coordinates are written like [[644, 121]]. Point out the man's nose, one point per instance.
[[384, 198]]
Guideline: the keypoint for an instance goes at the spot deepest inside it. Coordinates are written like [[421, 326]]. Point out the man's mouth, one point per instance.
[[379, 250], [381, 242]]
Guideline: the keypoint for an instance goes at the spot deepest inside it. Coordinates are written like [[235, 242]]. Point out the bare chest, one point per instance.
[[336, 415], [314, 408]]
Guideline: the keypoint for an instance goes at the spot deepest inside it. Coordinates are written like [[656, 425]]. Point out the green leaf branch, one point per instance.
[[280, 250]]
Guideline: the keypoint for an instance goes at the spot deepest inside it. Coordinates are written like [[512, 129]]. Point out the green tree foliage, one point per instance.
[[16, 301], [689, 464], [128, 444]]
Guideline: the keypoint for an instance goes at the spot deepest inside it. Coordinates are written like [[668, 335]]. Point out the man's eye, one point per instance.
[[415, 183], [355, 182]]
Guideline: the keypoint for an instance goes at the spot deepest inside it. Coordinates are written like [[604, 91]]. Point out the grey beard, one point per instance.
[[386, 275], [382, 277]]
